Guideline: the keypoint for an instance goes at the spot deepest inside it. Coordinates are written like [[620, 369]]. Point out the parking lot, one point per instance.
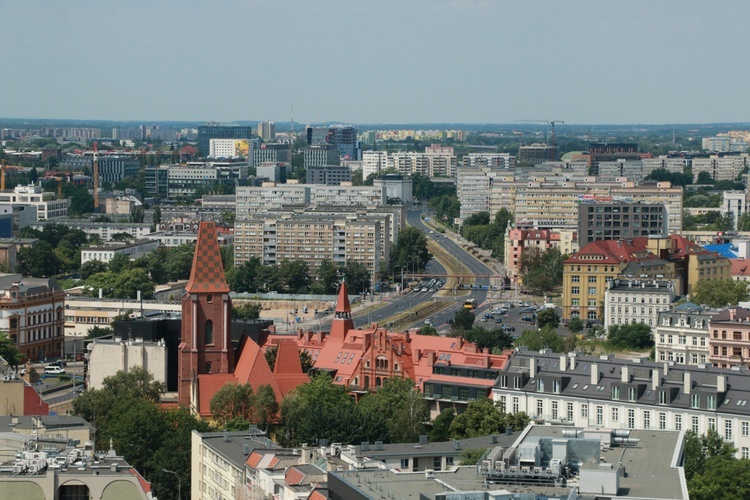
[[513, 316]]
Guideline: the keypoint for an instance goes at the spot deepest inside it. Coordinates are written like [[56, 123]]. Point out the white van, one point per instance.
[[54, 370]]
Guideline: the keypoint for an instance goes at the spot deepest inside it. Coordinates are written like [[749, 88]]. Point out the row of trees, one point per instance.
[[486, 234], [320, 409], [541, 271], [711, 469]]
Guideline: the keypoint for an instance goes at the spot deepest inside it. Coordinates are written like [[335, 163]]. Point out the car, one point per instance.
[[526, 318], [509, 328], [428, 322], [498, 320], [54, 370]]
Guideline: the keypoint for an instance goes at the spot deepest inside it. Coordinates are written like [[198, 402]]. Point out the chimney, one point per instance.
[[666, 369], [431, 358], [532, 367], [688, 385], [625, 374], [655, 378], [721, 384], [572, 360], [731, 314], [367, 340], [594, 374], [563, 362], [417, 355]]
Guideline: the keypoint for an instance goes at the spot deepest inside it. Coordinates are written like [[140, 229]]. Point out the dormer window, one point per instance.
[[615, 392], [632, 394]]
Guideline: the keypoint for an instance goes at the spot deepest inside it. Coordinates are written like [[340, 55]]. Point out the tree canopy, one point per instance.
[[720, 293], [630, 336], [482, 418], [544, 338], [541, 271]]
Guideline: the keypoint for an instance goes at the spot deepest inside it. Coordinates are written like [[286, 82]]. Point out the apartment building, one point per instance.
[[232, 148], [267, 131], [637, 301], [47, 205], [373, 162], [331, 175], [720, 168], [397, 188], [619, 220], [729, 342], [105, 253], [473, 189], [275, 153], [681, 334], [429, 164], [518, 240], [674, 164], [497, 161], [217, 131], [104, 230], [113, 169], [610, 171], [31, 313], [636, 394], [274, 238], [369, 196]]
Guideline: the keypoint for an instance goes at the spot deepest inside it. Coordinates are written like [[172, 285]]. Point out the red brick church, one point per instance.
[[447, 369]]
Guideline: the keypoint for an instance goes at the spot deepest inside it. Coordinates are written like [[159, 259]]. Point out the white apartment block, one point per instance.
[[502, 161], [269, 196], [720, 168], [681, 335], [46, 204], [734, 203], [473, 189], [636, 301], [274, 238], [610, 171], [107, 252], [104, 230], [672, 164], [611, 393], [427, 164], [175, 239], [373, 162]]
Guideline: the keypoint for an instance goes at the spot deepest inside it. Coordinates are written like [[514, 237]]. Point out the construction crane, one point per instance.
[[96, 179], [551, 136]]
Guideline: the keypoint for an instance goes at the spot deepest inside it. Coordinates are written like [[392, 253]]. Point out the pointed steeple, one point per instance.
[[342, 320], [343, 308], [207, 274]]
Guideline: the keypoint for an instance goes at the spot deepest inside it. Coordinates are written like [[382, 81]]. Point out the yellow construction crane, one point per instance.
[[551, 137]]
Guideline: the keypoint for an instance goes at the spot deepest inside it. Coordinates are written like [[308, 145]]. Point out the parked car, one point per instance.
[[498, 320], [54, 370], [509, 328], [526, 318]]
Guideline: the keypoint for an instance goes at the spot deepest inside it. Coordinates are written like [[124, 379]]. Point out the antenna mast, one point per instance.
[[96, 179]]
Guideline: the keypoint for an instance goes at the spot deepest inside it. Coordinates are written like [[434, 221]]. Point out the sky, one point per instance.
[[376, 61]]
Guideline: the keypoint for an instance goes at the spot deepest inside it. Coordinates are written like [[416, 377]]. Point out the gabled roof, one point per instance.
[[610, 252], [208, 385], [253, 369], [207, 274], [740, 267], [288, 370], [342, 303]]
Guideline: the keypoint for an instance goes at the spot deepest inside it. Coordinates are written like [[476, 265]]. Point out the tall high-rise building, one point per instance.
[[343, 137], [267, 131], [216, 131], [319, 155]]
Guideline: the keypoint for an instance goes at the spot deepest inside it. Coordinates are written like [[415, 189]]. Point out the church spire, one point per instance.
[[343, 308], [342, 318], [207, 274]]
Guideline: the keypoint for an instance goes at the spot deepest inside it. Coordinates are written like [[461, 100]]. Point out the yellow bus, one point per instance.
[[471, 304]]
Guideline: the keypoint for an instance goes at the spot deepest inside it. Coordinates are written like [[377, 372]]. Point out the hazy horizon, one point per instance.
[[420, 62]]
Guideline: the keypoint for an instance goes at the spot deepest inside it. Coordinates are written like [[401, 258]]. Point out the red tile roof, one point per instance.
[[253, 460], [288, 370], [208, 385], [32, 402], [740, 267], [207, 274], [252, 368], [294, 476], [610, 252]]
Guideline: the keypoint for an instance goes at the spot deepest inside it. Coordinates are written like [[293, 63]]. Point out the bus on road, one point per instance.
[[471, 304]]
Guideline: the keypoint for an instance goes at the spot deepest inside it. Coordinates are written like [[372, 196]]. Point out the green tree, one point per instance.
[[266, 407], [575, 325], [179, 262], [98, 331], [316, 410], [233, 401], [463, 319], [700, 449], [357, 276], [327, 277], [129, 282], [482, 418], [405, 406], [495, 338], [122, 237], [472, 455], [119, 263], [719, 293], [630, 336], [412, 245], [38, 261], [428, 330], [545, 338], [704, 178], [541, 271], [723, 478], [441, 426], [548, 317], [245, 277], [247, 310], [228, 218], [8, 350], [294, 276], [157, 215], [92, 267]]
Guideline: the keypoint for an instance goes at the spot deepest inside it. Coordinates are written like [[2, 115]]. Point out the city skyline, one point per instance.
[[422, 62]]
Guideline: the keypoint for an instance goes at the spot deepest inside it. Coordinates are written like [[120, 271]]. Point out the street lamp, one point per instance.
[[179, 482], [402, 277]]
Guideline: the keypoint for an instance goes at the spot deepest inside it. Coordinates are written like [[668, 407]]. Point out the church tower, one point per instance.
[[206, 345], [342, 319]]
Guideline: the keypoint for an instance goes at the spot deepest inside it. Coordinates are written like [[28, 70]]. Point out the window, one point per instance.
[[646, 419], [631, 419], [575, 279], [208, 337], [695, 401], [711, 423], [711, 402], [678, 422], [209, 298], [662, 397], [554, 410], [575, 290], [540, 385], [615, 414], [695, 425], [556, 386], [584, 410], [599, 415], [515, 405], [404, 463], [632, 394], [517, 382], [592, 290], [570, 412], [615, 392], [745, 429], [728, 430], [592, 279], [539, 408], [662, 421], [503, 381]]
